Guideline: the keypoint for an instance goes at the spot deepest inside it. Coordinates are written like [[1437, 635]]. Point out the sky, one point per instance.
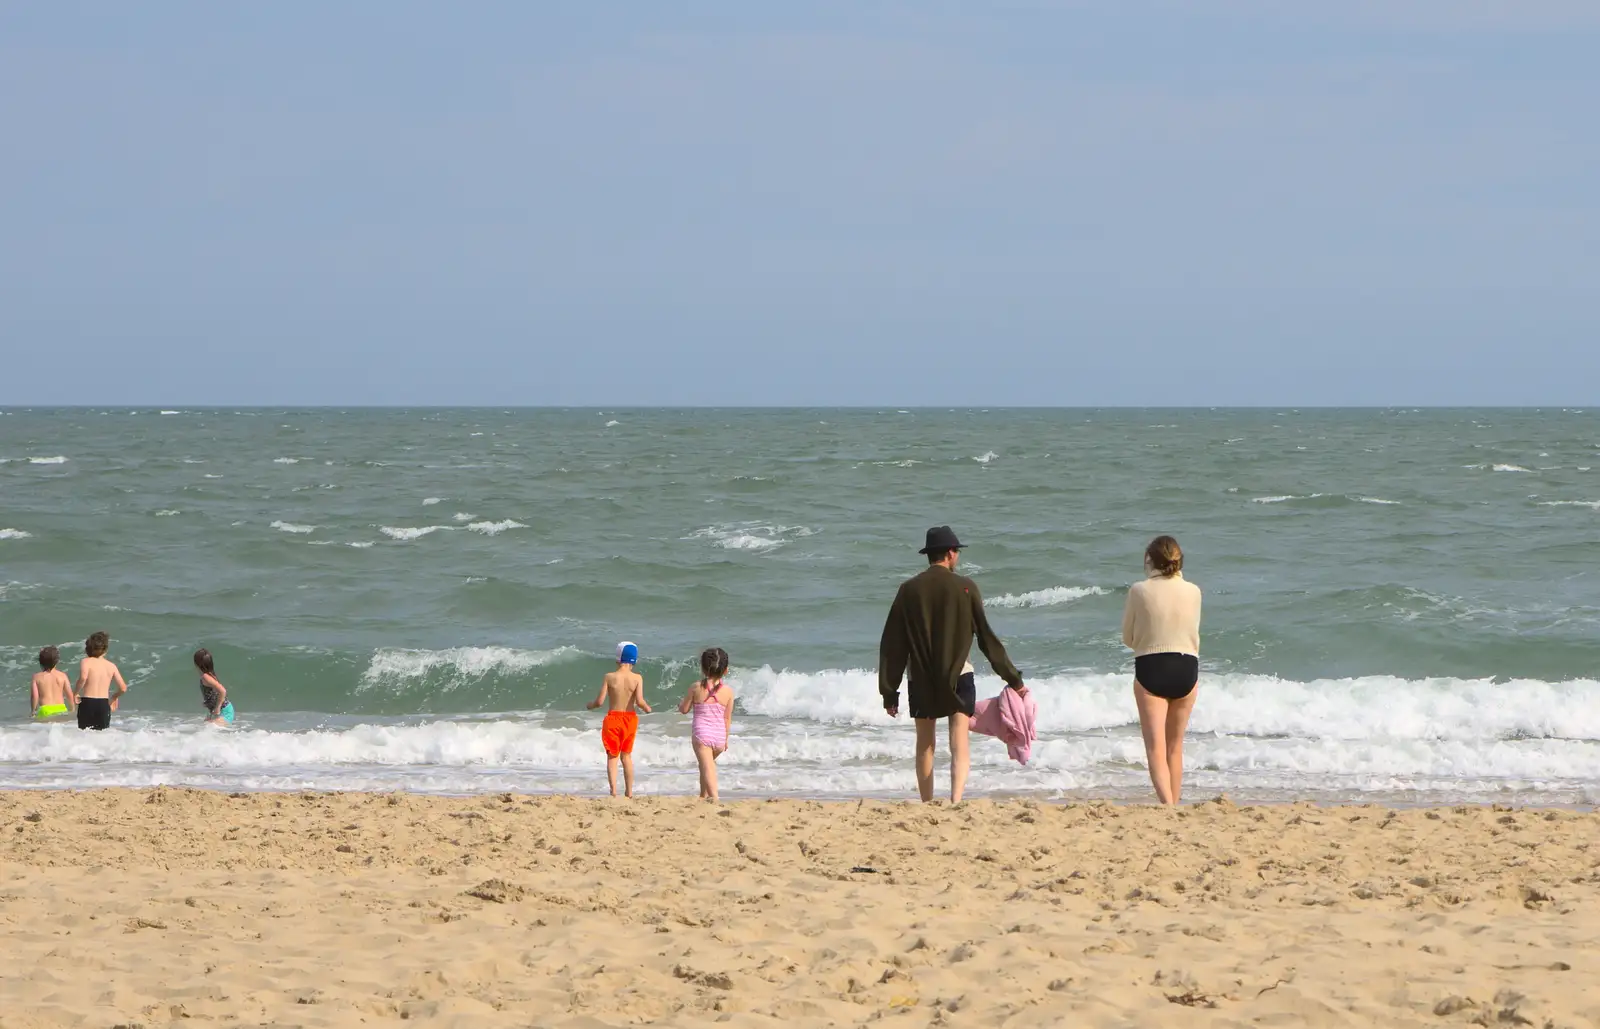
[[1124, 202]]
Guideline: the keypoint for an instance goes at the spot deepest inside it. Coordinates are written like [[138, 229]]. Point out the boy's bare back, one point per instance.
[[52, 687], [624, 690], [95, 676]]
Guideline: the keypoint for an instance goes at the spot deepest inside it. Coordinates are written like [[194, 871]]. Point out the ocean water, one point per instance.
[[1401, 606]]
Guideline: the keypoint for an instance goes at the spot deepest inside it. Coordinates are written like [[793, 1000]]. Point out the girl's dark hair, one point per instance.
[[97, 644], [714, 662], [1165, 556], [202, 661]]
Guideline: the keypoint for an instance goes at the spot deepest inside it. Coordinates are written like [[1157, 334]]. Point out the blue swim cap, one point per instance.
[[627, 653]]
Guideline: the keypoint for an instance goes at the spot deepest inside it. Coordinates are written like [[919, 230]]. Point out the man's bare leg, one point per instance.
[[959, 757], [927, 729]]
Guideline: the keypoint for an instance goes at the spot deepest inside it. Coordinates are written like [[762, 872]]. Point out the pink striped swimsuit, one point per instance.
[[710, 721]]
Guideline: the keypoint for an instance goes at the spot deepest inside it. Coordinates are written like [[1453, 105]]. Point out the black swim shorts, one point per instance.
[[966, 700], [94, 713]]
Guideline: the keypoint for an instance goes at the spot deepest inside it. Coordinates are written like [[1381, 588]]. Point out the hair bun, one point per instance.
[[1164, 556]]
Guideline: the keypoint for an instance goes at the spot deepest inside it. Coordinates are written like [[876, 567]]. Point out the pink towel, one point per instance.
[[1010, 717]]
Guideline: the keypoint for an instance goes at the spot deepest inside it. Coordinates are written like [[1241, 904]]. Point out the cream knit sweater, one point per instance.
[[1162, 616]]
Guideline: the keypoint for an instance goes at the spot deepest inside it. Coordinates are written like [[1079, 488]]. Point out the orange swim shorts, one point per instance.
[[618, 731]]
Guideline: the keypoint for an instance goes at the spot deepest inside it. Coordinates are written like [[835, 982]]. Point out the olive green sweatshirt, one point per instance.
[[929, 634]]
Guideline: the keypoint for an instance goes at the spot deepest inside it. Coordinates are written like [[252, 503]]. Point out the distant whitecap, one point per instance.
[[494, 528], [1045, 598], [406, 533]]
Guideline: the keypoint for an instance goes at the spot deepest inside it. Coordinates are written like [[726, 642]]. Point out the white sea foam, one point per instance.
[[490, 756], [1593, 505], [286, 460], [463, 516], [58, 459], [411, 532], [171, 412], [1045, 598], [14, 534], [168, 513], [494, 528], [751, 536], [395, 668], [612, 422], [825, 733], [361, 544], [1286, 498], [208, 475], [430, 501], [292, 527], [1366, 708], [1511, 468], [986, 457]]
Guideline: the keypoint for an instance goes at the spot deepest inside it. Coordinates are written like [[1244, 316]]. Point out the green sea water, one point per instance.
[[1399, 603]]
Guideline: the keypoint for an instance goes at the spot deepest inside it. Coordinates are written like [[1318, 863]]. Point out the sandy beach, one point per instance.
[[160, 907]]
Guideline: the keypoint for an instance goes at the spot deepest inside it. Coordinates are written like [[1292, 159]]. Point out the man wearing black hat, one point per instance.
[[929, 633]]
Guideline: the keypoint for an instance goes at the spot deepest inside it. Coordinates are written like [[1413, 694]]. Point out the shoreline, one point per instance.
[[174, 904], [1053, 799]]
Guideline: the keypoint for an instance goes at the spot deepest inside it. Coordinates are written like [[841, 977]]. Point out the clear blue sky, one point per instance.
[[1115, 202]]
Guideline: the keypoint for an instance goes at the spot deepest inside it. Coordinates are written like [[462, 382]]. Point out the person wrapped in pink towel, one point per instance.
[[1010, 718]]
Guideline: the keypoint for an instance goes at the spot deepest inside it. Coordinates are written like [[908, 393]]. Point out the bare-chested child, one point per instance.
[[52, 690], [622, 692], [96, 676]]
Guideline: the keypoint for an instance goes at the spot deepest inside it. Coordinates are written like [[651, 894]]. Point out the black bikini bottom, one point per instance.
[[1171, 676]]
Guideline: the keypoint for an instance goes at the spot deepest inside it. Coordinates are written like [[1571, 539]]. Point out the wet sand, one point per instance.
[[161, 907]]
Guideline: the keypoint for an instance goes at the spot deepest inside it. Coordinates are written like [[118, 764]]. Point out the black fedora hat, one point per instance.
[[940, 537]]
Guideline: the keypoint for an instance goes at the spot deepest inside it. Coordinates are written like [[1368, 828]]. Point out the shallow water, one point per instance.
[[1400, 605]]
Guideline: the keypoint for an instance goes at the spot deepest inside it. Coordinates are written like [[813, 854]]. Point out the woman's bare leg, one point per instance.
[[1177, 724], [1153, 726]]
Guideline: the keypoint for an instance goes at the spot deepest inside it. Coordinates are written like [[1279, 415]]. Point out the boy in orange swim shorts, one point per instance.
[[622, 692]]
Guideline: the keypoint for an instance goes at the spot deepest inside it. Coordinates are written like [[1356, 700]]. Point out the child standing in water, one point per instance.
[[214, 695], [711, 704], [95, 678], [52, 690], [621, 691]]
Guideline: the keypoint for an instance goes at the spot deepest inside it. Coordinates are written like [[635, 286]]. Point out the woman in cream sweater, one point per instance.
[[1162, 625]]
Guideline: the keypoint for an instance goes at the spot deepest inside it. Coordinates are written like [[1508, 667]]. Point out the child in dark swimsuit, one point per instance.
[[214, 695]]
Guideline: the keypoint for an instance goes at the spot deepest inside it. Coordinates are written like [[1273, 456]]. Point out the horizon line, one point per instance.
[[174, 409]]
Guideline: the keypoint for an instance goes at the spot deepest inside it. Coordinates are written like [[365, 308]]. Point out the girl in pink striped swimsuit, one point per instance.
[[710, 702]]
